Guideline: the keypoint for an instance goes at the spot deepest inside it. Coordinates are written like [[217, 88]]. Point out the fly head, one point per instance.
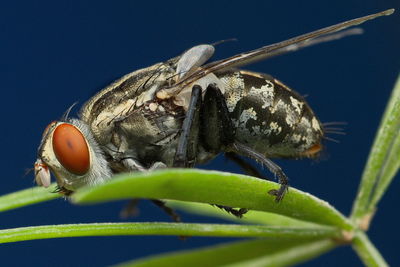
[[69, 151]]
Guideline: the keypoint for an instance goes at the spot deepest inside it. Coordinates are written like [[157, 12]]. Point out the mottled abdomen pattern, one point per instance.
[[270, 117]]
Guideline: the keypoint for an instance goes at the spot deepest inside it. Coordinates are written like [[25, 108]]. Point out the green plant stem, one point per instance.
[[179, 229], [367, 252], [27, 197], [382, 162]]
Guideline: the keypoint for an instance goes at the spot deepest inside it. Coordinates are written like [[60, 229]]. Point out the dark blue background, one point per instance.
[[54, 53]]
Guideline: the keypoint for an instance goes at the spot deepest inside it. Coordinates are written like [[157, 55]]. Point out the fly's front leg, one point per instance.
[[186, 151], [134, 165], [131, 209], [161, 204]]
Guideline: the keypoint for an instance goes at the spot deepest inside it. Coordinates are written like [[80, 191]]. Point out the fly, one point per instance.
[[185, 111]]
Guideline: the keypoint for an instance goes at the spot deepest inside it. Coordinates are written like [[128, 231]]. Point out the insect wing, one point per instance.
[[273, 49]]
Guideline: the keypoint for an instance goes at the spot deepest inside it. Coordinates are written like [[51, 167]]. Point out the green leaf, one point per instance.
[[251, 217], [367, 252], [27, 197], [290, 256], [214, 187], [383, 161], [179, 229], [230, 253]]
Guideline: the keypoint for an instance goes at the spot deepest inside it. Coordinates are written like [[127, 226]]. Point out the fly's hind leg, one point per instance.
[[274, 168], [246, 167], [218, 134]]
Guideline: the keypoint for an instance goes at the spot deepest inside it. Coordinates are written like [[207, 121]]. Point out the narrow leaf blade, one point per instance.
[[383, 162], [214, 187], [251, 217], [27, 197], [290, 256], [219, 255]]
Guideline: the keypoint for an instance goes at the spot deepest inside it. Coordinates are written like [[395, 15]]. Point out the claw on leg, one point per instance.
[[236, 212], [274, 168]]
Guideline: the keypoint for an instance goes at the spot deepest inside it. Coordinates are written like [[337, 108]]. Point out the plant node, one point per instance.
[[365, 221], [345, 238]]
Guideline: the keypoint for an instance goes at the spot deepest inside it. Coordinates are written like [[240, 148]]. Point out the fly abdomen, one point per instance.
[[270, 117]]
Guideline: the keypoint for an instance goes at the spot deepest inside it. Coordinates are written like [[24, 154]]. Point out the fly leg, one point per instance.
[[236, 212], [185, 155], [246, 167], [274, 168], [186, 151], [131, 209], [217, 130], [161, 204], [218, 134], [175, 217]]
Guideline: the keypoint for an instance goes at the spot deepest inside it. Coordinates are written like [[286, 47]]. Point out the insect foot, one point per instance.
[[235, 212], [284, 182]]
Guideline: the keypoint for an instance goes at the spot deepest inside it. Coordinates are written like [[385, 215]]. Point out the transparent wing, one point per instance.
[[272, 50]]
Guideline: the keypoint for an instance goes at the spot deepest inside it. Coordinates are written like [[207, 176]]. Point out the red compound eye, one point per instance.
[[71, 149]]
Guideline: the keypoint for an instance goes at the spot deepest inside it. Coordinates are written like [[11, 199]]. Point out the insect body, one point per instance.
[[181, 112]]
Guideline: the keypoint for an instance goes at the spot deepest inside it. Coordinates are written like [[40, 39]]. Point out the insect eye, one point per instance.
[[71, 149]]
